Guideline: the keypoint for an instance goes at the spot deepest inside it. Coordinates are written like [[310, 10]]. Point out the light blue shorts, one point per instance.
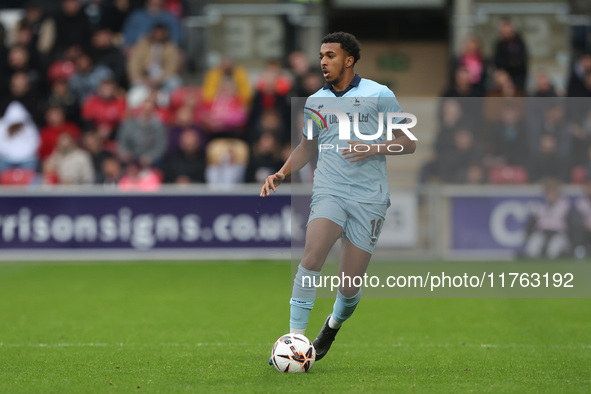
[[361, 222]]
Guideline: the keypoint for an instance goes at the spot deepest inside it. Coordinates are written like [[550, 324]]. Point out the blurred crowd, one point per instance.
[[492, 130], [91, 93]]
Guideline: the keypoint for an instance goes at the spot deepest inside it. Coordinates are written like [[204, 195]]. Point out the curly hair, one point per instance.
[[348, 42]]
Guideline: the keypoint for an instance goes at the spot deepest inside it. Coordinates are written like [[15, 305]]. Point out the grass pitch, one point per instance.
[[168, 328]]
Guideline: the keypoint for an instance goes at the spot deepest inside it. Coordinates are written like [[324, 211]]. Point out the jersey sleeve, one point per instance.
[[313, 121], [388, 103]]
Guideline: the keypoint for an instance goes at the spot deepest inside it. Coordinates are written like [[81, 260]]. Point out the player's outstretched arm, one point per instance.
[[300, 156]]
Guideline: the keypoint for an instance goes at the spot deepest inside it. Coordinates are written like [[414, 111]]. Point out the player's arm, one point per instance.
[[300, 156], [400, 145]]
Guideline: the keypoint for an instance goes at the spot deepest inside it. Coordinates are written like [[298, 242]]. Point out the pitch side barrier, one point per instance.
[[205, 223]]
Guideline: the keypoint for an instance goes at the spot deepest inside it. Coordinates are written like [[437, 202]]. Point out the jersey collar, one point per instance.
[[354, 83]]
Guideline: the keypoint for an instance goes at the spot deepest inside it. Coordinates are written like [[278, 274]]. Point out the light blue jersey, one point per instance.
[[364, 181]]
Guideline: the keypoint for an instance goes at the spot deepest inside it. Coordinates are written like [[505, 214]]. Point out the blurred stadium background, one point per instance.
[[143, 129]]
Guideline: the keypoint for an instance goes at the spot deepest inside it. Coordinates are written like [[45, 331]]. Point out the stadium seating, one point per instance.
[[578, 175], [17, 176], [61, 69], [508, 175]]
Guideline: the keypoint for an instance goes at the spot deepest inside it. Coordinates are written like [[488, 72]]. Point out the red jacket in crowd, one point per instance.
[[104, 113], [50, 134]]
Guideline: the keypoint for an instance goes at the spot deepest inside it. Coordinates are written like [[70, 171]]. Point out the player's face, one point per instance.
[[333, 62]]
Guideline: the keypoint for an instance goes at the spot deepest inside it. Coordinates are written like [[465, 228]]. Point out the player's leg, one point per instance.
[[534, 244], [321, 235], [557, 245], [353, 263], [361, 235]]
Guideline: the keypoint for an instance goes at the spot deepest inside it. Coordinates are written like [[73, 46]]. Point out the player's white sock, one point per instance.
[[332, 323], [297, 330]]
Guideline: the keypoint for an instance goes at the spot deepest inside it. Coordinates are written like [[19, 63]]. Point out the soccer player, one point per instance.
[[350, 192]]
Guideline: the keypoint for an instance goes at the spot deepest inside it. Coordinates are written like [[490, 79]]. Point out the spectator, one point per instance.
[[61, 96], [110, 173], [579, 82], [42, 27], [582, 223], [87, 77], [114, 15], [142, 21], [19, 61], [48, 173], [507, 140], [472, 60], [226, 161], [226, 115], [176, 8], [105, 53], [581, 137], [272, 123], [272, 89], [19, 138], [72, 28], [187, 164], [155, 62], [184, 119], [73, 166], [551, 122], [544, 87], [36, 61], [476, 174], [503, 88], [264, 159], [299, 66], [56, 125], [94, 9], [139, 178], [462, 85], [105, 110], [21, 91], [227, 71], [548, 224], [143, 137], [92, 142], [511, 54], [311, 83], [547, 161], [452, 118], [453, 164]]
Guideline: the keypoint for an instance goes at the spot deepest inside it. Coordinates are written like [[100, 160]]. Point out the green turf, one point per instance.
[[209, 327]]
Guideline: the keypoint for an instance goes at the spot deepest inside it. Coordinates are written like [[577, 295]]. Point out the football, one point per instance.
[[293, 353]]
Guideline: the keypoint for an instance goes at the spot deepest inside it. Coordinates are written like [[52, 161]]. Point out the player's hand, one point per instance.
[[271, 183], [362, 152]]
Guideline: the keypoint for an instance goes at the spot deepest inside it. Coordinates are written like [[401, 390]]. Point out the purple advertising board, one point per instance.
[[144, 222], [495, 223]]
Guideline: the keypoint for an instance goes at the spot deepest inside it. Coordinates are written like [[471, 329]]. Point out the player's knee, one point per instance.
[[312, 261], [349, 292]]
